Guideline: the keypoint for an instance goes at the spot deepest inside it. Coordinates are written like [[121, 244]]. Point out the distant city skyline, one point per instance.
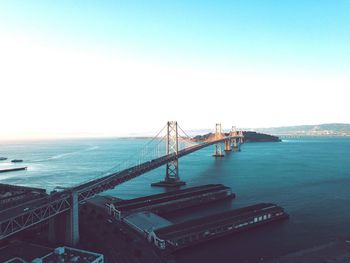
[[117, 68]]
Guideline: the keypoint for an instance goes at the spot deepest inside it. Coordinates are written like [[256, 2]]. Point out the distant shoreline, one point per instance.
[[26, 140]]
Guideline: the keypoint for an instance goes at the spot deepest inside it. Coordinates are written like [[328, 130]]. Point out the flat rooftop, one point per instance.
[[10, 187], [212, 220], [128, 205], [146, 221], [18, 250], [101, 200], [23, 250], [67, 254], [11, 195]]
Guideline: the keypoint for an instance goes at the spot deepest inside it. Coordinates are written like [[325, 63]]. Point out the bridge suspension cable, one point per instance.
[[186, 139], [145, 153]]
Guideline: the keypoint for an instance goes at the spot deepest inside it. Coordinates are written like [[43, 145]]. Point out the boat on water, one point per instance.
[[3, 158], [16, 160], [13, 169]]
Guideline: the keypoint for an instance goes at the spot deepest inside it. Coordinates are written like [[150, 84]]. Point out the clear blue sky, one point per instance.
[[312, 31], [309, 38]]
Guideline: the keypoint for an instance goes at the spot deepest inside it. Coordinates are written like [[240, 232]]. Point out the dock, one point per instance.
[[13, 169], [170, 201], [192, 232]]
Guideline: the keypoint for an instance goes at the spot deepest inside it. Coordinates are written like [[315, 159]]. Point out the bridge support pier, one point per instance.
[[172, 178], [227, 146], [72, 222], [235, 145], [241, 136], [236, 139]]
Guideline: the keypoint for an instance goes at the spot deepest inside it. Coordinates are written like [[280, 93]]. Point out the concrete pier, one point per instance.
[[72, 229], [227, 146]]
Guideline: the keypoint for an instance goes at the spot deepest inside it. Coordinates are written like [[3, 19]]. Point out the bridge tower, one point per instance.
[[234, 138], [229, 142], [218, 146], [241, 136], [172, 167]]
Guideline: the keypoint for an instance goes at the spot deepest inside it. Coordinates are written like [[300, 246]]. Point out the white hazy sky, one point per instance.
[[81, 77]]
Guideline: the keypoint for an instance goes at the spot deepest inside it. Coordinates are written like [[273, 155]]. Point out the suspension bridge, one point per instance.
[[166, 148]]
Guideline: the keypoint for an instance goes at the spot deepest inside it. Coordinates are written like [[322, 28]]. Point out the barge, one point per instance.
[[13, 169], [177, 236], [3, 158], [16, 160], [170, 201]]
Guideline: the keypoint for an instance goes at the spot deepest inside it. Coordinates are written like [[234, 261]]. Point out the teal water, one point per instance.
[[309, 177]]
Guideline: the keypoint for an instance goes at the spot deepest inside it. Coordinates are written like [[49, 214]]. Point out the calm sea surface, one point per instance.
[[309, 177]]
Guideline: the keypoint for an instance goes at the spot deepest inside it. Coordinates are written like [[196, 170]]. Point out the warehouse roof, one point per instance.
[[146, 221]]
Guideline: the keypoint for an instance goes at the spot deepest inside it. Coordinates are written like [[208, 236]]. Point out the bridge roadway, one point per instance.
[[33, 212]]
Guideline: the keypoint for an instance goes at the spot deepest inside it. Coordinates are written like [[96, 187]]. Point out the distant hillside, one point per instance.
[[249, 136], [330, 129]]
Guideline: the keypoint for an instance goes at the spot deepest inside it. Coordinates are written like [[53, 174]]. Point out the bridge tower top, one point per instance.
[[172, 146], [233, 132], [218, 132]]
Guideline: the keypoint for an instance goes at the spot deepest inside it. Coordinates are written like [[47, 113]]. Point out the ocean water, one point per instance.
[[309, 177]]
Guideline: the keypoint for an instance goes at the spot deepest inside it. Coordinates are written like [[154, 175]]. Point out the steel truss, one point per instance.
[[172, 149], [34, 216]]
